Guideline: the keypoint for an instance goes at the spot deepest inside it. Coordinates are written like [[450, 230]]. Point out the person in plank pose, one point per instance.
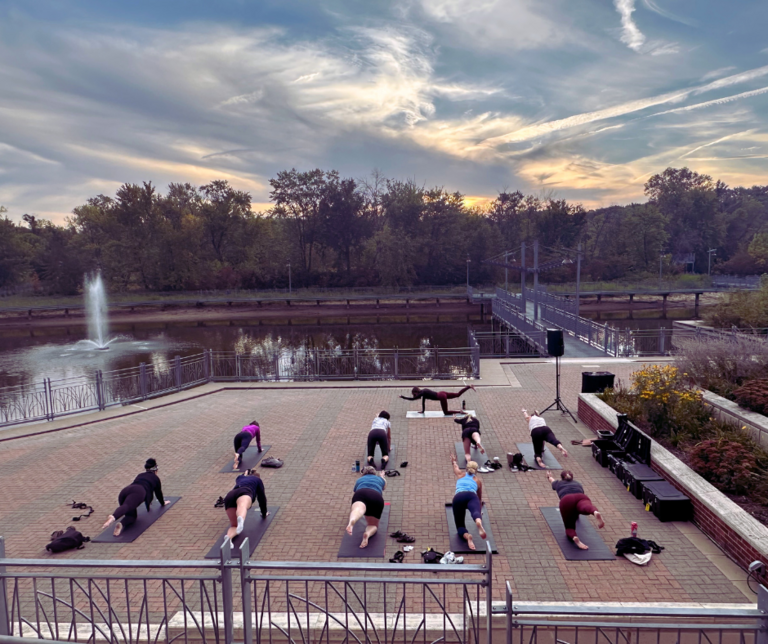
[[573, 502], [144, 488], [468, 496], [243, 439], [470, 434], [540, 434], [248, 488], [381, 435], [442, 396], [368, 502]]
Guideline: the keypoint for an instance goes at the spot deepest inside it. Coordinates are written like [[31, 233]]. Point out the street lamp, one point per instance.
[[710, 252], [289, 278], [468, 260]]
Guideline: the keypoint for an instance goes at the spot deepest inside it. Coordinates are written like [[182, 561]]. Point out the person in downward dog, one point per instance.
[[540, 434], [470, 434], [442, 396], [144, 488], [381, 435], [469, 496], [243, 439], [368, 502], [248, 488], [573, 502]]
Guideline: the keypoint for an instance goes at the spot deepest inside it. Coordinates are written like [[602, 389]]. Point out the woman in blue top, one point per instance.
[[248, 488], [469, 496], [367, 502]]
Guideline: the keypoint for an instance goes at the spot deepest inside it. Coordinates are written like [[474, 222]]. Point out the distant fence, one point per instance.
[[53, 398]]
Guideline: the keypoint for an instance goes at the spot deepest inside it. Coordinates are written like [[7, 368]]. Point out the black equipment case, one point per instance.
[[635, 476], [617, 445], [666, 502]]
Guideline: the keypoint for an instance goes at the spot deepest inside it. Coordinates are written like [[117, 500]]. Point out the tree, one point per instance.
[[645, 229], [222, 213], [342, 216]]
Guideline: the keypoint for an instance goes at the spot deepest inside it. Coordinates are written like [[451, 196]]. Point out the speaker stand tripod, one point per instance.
[[559, 405]]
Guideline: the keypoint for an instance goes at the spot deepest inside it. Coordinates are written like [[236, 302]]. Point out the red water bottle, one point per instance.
[[633, 529]]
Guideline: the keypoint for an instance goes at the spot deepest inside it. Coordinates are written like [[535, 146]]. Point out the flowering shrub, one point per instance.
[[753, 395], [727, 464]]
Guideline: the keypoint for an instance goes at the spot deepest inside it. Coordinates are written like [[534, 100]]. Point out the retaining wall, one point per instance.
[[739, 534]]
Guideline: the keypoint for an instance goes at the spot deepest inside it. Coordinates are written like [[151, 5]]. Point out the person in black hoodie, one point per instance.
[[248, 488], [144, 488]]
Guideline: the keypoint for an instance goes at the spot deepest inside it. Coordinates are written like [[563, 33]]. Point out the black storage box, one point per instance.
[[616, 463], [616, 445], [636, 476], [666, 502], [594, 382], [604, 433]]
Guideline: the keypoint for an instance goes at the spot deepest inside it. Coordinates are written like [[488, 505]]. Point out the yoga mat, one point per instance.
[[391, 464], [350, 546], [251, 458], [586, 533], [550, 462], [475, 454], [143, 521], [435, 414], [458, 545], [254, 529]]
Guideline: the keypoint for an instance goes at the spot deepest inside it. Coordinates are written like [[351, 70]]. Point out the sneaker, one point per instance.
[[240, 525], [448, 558], [459, 560]]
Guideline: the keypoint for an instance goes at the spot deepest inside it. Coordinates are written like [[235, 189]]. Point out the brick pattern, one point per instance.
[[710, 523], [320, 433]]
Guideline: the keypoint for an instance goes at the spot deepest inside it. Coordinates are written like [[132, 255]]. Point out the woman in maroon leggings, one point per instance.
[[442, 396], [573, 502]]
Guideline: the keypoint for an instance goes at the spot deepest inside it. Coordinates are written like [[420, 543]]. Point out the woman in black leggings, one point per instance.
[[469, 496], [470, 434], [144, 487], [540, 434], [248, 488], [381, 435], [442, 396]]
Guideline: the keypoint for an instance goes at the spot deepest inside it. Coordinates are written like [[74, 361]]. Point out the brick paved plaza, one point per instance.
[[319, 431]]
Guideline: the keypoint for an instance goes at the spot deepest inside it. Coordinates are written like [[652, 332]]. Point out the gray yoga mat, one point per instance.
[[391, 464], [550, 462], [475, 454], [586, 533], [254, 529], [459, 545], [350, 546], [251, 458], [144, 519], [436, 414]]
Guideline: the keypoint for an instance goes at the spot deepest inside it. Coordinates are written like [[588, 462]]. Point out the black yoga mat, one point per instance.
[[459, 545], [251, 458], [350, 546], [586, 533], [461, 459], [254, 529], [550, 462], [143, 521], [391, 464]]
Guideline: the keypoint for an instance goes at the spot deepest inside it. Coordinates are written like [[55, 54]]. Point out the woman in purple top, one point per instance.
[[244, 438]]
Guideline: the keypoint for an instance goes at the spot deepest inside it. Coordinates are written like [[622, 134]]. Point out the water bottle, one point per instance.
[[463, 404], [633, 529], [357, 466], [353, 467]]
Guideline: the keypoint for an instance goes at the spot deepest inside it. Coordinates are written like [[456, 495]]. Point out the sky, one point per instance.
[[575, 100]]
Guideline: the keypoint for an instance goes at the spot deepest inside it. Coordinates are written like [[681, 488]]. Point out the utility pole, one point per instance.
[[289, 278], [710, 252], [536, 279], [506, 271], [578, 279], [468, 260], [661, 258]]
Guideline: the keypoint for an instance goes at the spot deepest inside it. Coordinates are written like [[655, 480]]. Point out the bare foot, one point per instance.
[[540, 463], [600, 522], [364, 542], [118, 529], [480, 531], [236, 466], [470, 543], [472, 387], [349, 529], [578, 543]]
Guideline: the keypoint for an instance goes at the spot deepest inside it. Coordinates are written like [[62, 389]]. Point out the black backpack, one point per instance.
[[272, 462], [517, 461], [68, 539], [431, 556]]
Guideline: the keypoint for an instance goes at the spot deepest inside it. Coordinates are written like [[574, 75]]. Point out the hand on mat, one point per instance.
[[453, 458]]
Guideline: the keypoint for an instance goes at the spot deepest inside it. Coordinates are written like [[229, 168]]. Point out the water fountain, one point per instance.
[[97, 312]]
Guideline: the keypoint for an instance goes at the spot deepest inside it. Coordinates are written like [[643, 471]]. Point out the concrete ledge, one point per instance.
[[756, 424], [736, 531]]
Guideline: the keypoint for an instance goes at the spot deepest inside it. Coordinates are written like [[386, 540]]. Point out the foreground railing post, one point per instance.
[[226, 592], [245, 592], [762, 606], [5, 625], [509, 613], [488, 593]]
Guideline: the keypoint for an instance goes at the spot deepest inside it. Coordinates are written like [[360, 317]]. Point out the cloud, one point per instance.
[[654, 6], [631, 36]]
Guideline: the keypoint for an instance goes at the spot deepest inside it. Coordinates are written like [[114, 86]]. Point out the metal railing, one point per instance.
[[588, 623], [533, 332], [152, 602], [50, 399]]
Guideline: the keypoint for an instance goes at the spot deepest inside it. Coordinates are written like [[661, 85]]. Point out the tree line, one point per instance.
[[376, 231]]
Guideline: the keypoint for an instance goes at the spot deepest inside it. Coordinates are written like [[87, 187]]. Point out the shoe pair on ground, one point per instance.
[[402, 537]]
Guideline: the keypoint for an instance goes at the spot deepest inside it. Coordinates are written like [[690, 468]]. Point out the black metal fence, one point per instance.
[[52, 398]]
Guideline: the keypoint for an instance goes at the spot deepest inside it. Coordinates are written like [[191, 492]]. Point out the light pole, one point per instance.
[[661, 258], [578, 280], [468, 260], [710, 252], [289, 278]]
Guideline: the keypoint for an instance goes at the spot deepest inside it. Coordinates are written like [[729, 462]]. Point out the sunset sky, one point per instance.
[[581, 100]]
